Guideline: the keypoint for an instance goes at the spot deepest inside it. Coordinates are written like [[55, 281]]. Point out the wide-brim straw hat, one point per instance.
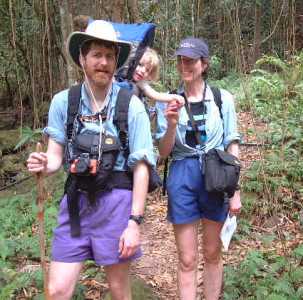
[[97, 30]]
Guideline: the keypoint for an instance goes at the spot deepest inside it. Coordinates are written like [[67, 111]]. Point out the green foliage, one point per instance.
[[28, 136], [215, 71], [231, 82], [19, 238], [10, 281], [298, 252], [277, 98], [265, 276], [274, 93], [79, 292]]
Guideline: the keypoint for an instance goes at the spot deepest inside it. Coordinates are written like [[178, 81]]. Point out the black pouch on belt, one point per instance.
[[91, 178], [222, 172]]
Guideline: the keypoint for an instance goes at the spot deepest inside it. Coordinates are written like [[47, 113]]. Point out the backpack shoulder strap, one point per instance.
[[74, 95], [121, 115], [218, 99]]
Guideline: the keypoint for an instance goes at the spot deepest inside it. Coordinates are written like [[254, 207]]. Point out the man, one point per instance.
[[110, 231]]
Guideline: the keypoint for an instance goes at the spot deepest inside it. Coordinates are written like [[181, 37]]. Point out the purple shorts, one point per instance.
[[101, 228]]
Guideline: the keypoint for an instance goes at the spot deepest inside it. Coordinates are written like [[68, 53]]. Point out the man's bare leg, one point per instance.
[[119, 281], [62, 279]]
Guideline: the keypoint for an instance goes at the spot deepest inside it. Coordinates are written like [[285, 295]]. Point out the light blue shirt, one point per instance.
[[213, 125], [139, 132]]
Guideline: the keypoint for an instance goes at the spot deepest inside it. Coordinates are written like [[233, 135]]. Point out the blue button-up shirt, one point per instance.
[[139, 132], [214, 126]]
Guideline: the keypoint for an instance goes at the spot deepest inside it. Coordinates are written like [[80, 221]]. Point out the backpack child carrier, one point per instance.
[[141, 35]]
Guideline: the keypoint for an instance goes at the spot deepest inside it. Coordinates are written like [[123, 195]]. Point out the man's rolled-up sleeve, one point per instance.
[[139, 134], [56, 119]]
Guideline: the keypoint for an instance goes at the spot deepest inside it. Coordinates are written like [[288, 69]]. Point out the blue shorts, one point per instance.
[[188, 201], [101, 228]]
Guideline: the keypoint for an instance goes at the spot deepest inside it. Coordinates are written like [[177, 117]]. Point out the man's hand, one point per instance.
[[46, 163], [37, 162], [235, 204], [129, 240]]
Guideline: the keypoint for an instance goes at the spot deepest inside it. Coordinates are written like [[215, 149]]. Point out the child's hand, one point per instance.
[[178, 98], [174, 105]]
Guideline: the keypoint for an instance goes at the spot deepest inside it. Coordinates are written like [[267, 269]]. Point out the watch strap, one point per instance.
[[137, 218]]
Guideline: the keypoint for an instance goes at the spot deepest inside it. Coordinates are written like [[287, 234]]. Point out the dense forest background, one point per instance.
[[257, 54], [34, 64]]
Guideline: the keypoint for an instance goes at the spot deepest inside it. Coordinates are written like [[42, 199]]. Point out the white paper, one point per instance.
[[228, 230]]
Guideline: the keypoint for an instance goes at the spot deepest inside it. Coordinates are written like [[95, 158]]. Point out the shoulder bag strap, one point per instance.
[[217, 98]]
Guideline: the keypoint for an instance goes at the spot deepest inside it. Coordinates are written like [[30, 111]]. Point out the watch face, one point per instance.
[[138, 219]]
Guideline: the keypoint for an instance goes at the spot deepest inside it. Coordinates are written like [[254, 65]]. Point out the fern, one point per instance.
[[28, 136]]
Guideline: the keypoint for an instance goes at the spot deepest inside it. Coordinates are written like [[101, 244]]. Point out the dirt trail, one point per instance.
[[158, 266]]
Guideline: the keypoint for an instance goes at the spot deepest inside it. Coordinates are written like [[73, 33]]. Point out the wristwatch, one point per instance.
[[137, 218]]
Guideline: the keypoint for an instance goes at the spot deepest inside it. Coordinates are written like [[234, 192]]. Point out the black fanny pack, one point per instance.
[[91, 164], [222, 172], [99, 174], [94, 158]]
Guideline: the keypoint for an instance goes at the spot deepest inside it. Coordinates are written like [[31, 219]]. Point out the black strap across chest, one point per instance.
[[218, 100], [120, 119]]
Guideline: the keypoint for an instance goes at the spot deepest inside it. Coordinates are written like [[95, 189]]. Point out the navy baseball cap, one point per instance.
[[193, 48]]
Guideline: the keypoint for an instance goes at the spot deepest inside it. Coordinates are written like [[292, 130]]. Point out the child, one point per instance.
[[148, 71]]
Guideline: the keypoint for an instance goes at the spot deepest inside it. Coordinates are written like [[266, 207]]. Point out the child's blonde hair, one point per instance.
[[154, 61]]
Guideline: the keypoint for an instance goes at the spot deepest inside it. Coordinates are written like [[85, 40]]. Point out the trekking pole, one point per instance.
[[41, 198]]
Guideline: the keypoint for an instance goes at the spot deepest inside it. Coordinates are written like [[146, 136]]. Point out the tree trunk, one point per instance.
[[291, 40], [257, 33], [299, 25], [66, 29], [133, 11], [193, 27], [117, 10]]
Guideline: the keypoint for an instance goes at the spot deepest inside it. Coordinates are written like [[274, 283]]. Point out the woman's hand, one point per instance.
[[172, 113], [235, 204]]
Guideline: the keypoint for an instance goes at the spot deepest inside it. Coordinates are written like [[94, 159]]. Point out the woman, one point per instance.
[[188, 201]]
